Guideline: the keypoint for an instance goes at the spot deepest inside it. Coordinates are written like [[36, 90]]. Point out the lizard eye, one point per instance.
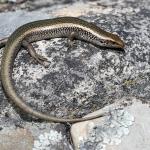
[[114, 43]]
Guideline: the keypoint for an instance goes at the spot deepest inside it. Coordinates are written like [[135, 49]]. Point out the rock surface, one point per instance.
[[84, 78]]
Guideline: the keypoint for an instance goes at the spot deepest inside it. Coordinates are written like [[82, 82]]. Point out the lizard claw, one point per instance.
[[42, 60]]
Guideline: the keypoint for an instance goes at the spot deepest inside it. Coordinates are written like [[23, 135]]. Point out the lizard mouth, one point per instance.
[[120, 44]]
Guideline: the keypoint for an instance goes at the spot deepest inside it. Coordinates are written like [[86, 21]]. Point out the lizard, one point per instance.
[[63, 27]]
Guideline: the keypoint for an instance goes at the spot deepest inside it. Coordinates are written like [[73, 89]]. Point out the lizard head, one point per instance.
[[114, 41], [108, 39]]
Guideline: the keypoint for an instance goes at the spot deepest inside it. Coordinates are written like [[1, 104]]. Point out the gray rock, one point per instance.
[[86, 78]]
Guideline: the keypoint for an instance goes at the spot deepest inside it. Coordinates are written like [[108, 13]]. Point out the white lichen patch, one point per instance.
[[116, 125], [46, 140]]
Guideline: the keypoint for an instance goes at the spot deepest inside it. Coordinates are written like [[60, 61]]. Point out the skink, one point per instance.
[[68, 27]]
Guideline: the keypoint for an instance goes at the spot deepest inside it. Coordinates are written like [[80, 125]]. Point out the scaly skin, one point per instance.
[[70, 27]]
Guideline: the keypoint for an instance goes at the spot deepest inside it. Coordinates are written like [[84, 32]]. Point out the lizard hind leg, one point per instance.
[[40, 59]]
